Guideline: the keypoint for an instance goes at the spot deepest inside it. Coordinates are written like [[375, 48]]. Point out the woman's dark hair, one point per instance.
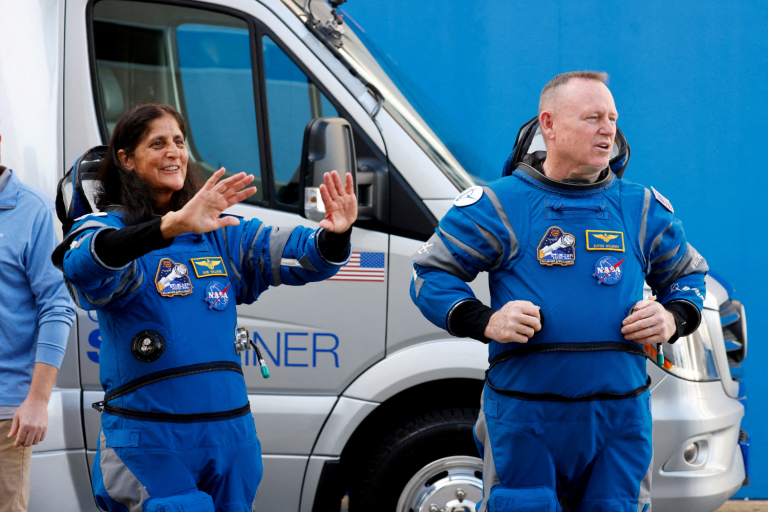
[[122, 187]]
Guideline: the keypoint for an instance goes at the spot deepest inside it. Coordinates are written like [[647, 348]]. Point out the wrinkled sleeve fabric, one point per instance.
[[261, 256], [55, 309], [469, 240], [92, 283], [675, 271]]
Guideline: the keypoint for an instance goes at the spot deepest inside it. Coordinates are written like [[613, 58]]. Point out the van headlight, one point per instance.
[[691, 357]]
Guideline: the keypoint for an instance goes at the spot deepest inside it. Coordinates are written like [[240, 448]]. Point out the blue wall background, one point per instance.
[[689, 79]]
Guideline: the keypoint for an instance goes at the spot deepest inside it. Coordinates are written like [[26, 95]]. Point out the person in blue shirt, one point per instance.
[[165, 270], [566, 411], [36, 314]]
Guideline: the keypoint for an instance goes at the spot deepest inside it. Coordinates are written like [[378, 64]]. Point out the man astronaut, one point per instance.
[[566, 412]]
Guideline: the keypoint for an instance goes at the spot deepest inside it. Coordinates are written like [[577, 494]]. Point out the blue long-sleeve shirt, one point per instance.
[[36, 311]]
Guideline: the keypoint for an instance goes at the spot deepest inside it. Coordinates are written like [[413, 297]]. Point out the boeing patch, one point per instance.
[[676, 288], [608, 270], [469, 196], [663, 200], [605, 240], [172, 278], [207, 267], [216, 295], [557, 248]]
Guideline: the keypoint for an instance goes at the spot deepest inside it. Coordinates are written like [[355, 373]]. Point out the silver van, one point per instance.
[[380, 405]]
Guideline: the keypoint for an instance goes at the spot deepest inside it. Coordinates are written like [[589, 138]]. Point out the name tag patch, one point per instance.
[[207, 267], [216, 295], [172, 278], [605, 240], [557, 248]]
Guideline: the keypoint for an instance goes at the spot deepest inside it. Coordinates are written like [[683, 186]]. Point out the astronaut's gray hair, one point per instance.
[[560, 80]]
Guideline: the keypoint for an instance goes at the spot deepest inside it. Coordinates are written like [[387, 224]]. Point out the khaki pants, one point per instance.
[[14, 472]]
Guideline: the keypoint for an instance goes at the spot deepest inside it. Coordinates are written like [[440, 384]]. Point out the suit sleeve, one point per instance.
[[262, 256], [93, 284], [674, 269], [469, 240]]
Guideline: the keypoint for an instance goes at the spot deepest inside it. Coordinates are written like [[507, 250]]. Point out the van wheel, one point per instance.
[[428, 460]]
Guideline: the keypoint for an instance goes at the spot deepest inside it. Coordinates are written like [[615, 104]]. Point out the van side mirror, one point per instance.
[[328, 146]]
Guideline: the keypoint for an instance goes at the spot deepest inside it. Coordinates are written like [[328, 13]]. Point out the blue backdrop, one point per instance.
[[689, 79]]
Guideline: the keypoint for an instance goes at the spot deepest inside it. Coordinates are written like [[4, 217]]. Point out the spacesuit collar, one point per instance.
[[576, 181], [605, 178]]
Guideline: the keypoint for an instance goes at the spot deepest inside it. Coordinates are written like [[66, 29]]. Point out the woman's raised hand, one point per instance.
[[201, 213], [340, 203]]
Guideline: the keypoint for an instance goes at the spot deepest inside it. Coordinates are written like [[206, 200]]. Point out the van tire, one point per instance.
[[407, 449]]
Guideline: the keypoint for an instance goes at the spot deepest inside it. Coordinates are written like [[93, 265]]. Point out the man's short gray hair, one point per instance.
[[549, 91]]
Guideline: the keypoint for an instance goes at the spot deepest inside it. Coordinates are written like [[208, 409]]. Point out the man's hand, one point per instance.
[[650, 323], [340, 203], [201, 213], [516, 322], [30, 422]]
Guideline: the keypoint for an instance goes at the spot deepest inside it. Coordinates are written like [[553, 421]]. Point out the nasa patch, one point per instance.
[[469, 196], [557, 248], [608, 270], [172, 278], [216, 295], [663, 200]]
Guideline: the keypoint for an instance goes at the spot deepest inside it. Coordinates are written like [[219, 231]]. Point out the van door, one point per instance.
[[246, 87]]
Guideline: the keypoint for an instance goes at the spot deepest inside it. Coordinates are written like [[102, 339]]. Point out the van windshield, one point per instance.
[[426, 124]]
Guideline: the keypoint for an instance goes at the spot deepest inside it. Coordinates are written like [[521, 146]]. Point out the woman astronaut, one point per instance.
[[165, 269]]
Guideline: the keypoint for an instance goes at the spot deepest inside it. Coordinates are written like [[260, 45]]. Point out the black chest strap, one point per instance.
[[171, 373], [540, 348]]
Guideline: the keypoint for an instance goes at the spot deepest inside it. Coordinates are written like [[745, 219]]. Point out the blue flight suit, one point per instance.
[[566, 415], [177, 419]]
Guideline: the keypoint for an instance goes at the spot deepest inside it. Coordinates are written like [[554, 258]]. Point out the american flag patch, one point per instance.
[[362, 266], [663, 200]]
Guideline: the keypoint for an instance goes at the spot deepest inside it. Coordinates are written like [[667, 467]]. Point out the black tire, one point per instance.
[[384, 474]]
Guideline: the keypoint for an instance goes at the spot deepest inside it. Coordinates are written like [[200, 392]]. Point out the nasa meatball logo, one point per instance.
[[557, 248], [608, 270], [216, 295], [469, 196]]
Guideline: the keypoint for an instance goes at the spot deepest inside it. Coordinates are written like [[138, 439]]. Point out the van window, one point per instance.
[[197, 60], [292, 101]]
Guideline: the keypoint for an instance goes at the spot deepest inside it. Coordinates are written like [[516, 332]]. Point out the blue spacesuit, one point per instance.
[[176, 417], [566, 415]]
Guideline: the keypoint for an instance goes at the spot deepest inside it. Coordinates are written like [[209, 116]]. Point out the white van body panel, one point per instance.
[[31, 69], [341, 424], [426, 362]]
